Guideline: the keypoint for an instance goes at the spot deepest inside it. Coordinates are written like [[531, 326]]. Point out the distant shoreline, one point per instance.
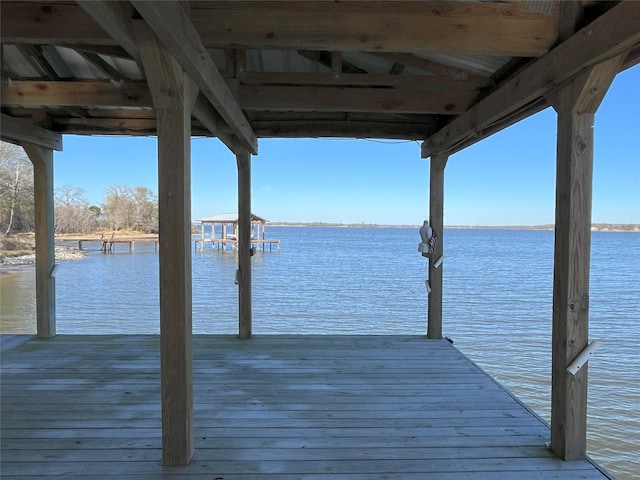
[[596, 227]]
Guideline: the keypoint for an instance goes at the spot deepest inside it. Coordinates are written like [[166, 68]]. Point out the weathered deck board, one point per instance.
[[273, 407]]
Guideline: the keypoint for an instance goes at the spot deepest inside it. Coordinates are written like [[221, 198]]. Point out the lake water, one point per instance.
[[497, 305]]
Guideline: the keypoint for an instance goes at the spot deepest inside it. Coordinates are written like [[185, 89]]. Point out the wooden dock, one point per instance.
[[107, 245], [221, 243], [272, 407]]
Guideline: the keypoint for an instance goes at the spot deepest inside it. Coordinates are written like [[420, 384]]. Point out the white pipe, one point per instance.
[[438, 262], [583, 357]]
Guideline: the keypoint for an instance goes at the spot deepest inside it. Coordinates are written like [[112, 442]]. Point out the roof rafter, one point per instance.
[[97, 61], [174, 29], [36, 53], [614, 33], [115, 18]]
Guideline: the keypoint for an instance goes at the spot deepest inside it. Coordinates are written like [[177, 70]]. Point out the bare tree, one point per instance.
[[126, 208], [146, 205], [118, 207], [16, 189], [73, 214]]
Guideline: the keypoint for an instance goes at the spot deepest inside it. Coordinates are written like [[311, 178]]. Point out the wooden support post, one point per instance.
[[243, 158], [436, 220], [575, 104], [174, 201], [336, 64], [174, 96], [42, 159]]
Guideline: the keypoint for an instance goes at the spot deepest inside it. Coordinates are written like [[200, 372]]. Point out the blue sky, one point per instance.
[[507, 179]]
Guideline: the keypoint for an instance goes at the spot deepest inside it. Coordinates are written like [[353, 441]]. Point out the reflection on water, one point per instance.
[[17, 302], [497, 305]]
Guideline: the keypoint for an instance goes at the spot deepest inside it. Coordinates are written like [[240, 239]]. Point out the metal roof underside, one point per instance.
[[396, 70]]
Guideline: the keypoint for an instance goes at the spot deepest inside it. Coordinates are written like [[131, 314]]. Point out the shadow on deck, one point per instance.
[[273, 407]]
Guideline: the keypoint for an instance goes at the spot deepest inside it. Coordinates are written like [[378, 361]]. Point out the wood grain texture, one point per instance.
[[173, 97], [436, 219], [172, 25], [270, 407], [243, 160], [575, 104], [20, 131], [612, 34], [330, 99], [43, 192], [464, 27]]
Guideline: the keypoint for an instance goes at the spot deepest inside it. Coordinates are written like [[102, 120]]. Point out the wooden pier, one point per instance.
[[229, 221], [107, 245], [221, 243], [271, 407]]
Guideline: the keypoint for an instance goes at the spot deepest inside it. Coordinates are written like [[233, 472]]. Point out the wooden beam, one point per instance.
[[340, 129], [243, 159], [107, 126], [229, 70], [353, 100], [396, 26], [611, 34], [336, 63], [264, 128], [172, 25], [114, 126], [210, 118], [436, 220], [423, 82], [96, 94], [93, 94], [77, 94], [525, 112], [173, 97], [35, 23], [115, 18], [459, 28], [576, 105], [426, 94], [240, 62], [21, 131], [633, 58], [42, 159]]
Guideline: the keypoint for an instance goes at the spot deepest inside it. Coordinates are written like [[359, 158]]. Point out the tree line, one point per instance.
[[122, 208]]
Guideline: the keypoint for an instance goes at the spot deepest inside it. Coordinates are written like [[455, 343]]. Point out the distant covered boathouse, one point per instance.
[[229, 221], [448, 74]]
